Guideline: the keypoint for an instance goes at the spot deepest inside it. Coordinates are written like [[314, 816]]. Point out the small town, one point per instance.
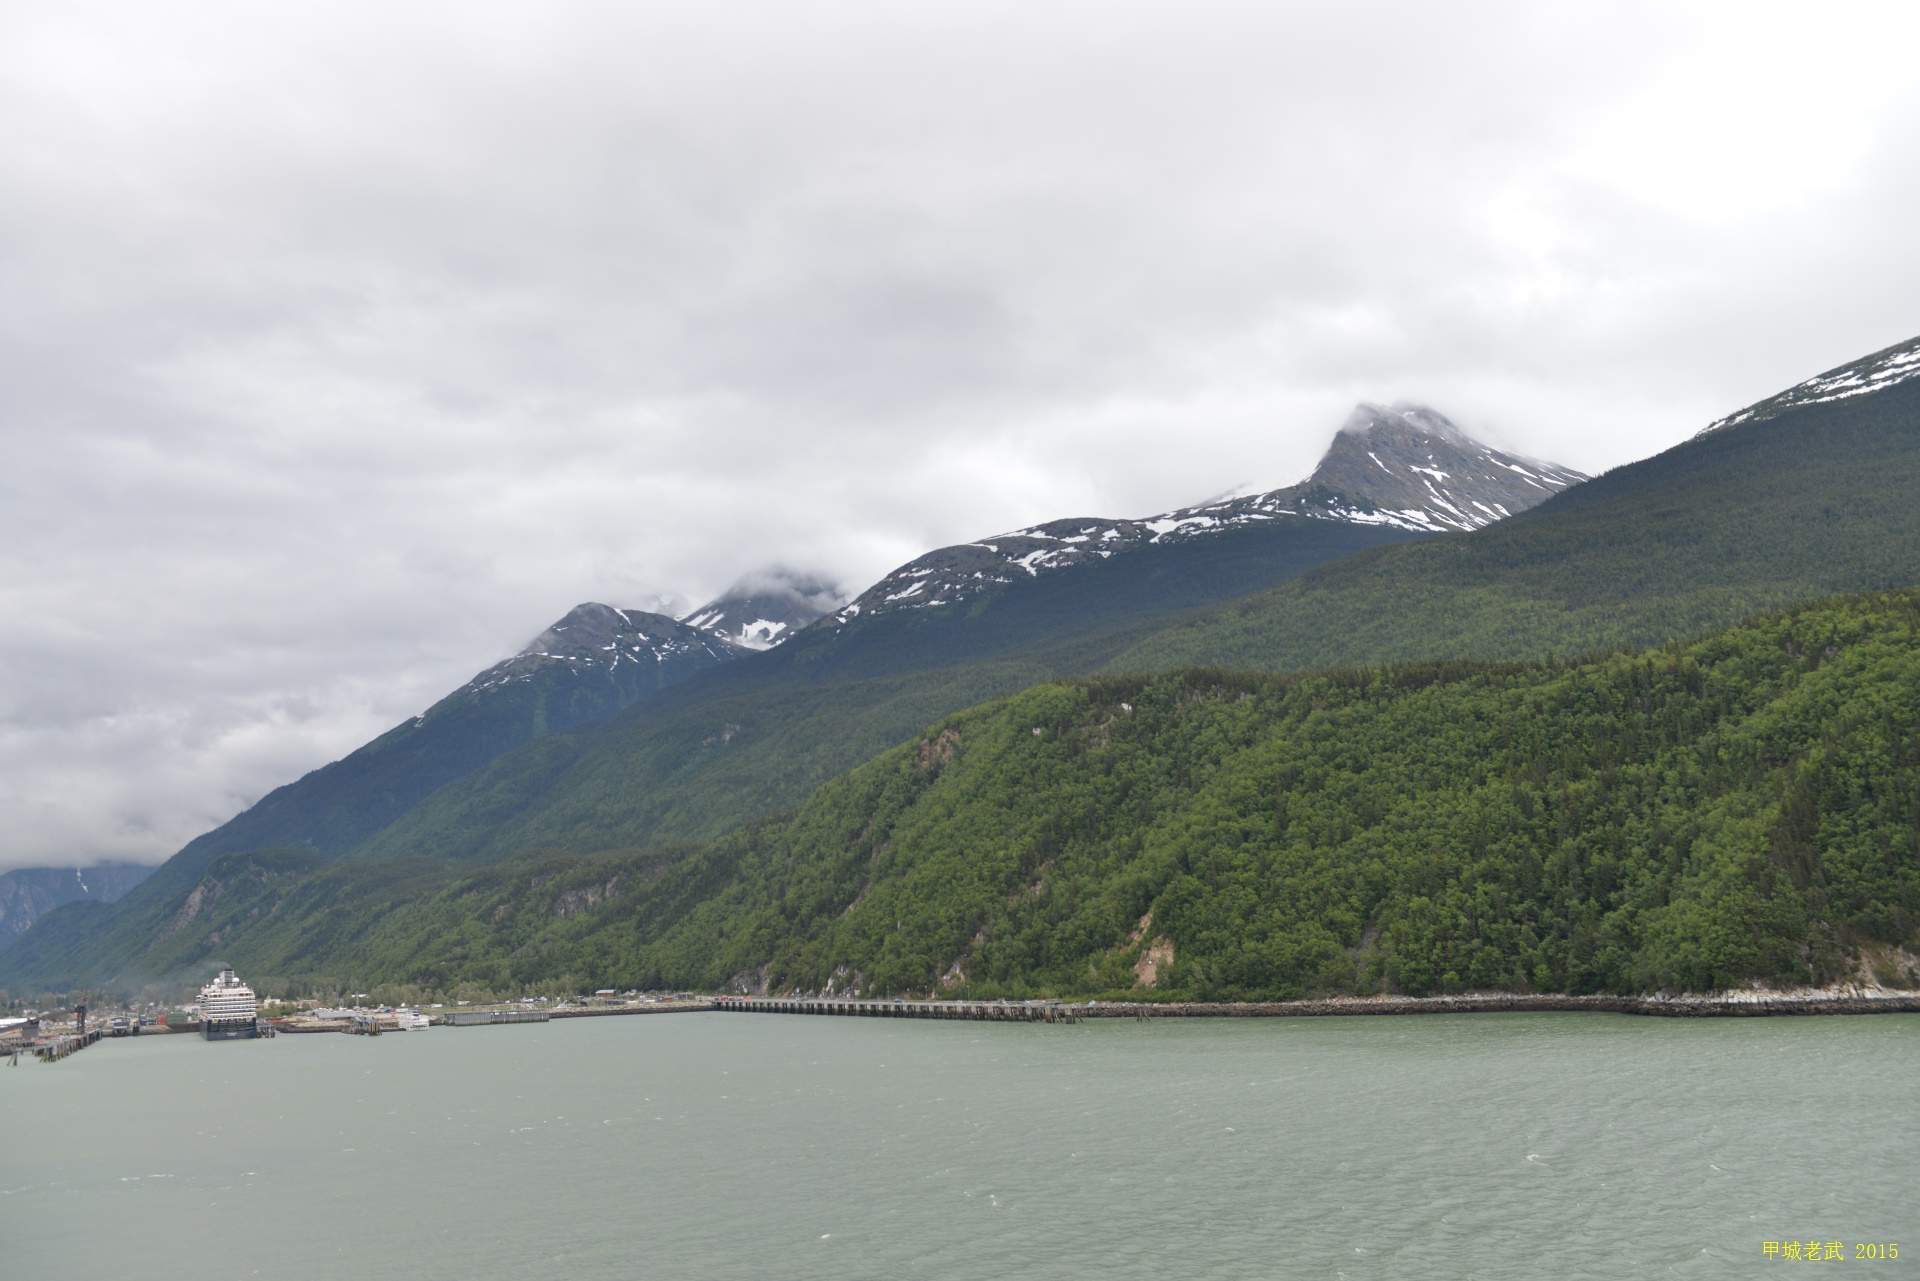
[[229, 1010]]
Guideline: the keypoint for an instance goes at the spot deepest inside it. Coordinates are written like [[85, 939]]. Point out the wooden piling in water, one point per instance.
[[61, 1046]]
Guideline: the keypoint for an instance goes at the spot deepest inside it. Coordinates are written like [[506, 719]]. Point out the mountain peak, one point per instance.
[[766, 607], [1412, 466], [593, 636], [1369, 420], [589, 619]]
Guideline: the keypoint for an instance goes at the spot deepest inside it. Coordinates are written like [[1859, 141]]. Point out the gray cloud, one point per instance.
[[349, 345]]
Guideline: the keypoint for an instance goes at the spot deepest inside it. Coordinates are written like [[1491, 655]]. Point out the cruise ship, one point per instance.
[[227, 1010]]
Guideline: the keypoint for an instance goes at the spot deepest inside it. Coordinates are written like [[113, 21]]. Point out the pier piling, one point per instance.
[[979, 1011], [61, 1046]]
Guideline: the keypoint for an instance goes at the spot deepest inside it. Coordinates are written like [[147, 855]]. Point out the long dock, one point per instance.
[[979, 1011]]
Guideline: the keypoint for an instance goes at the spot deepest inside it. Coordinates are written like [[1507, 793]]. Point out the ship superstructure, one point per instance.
[[228, 1011]]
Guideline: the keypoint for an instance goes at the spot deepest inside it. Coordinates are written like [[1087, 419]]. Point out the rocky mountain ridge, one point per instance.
[[755, 614], [1404, 466]]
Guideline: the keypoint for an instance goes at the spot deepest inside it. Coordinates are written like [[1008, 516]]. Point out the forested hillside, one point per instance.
[[1745, 807], [760, 735]]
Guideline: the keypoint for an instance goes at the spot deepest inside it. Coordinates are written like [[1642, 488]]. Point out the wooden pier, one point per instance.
[[61, 1046], [978, 1011]]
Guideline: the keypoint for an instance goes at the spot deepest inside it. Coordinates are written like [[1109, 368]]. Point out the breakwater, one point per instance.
[[1722, 1005], [611, 1011], [481, 1018], [1736, 1005]]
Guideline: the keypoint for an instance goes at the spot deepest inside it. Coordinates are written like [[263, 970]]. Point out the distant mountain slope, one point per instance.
[[1808, 494], [590, 664], [1736, 809], [28, 893], [235, 903]]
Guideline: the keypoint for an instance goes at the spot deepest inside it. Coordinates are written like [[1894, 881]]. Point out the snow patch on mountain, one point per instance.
[[1883, 369], [601, 637], [765, 608]]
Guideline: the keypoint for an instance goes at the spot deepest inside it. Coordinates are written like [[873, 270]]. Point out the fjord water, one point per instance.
[[768, 1146]]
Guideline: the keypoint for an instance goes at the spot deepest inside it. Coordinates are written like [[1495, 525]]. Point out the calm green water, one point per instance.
[[771, 1147]]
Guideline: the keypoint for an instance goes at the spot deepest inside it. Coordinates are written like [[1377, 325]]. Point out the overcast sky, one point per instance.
[[346, 345]]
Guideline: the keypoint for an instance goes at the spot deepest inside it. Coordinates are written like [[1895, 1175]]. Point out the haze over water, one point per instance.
[[763, 1146]]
